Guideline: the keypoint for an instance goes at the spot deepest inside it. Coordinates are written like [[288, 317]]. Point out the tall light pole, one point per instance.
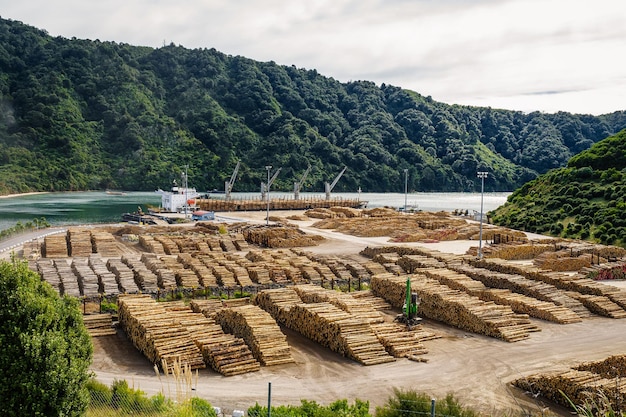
[[267, 192], [406, 183], [482, 175]]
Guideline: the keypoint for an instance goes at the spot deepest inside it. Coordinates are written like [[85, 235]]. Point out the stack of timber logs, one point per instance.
[[145, 279], [580, 387], [124, 276], [69, 281], [544, 310], [570, 283], [48, 272], [149, 243], [156, 334], [402, 342], [456, 308], [278, 302], [105, 244], [280, 237], [522, 285], [345, 301], [106, 279], [227, 354], [259, 330], [55, 246], [87, 278], [611, 367], [79, 242], [99, 324]]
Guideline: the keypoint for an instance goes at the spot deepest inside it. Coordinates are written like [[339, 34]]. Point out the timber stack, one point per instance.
[[223, 352], [256, 204], [154, 333], [99, 324], [456, 308], [260, 331]]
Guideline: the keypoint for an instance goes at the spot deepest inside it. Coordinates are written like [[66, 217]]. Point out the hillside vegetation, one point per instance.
[[586, 199], [81, 114]]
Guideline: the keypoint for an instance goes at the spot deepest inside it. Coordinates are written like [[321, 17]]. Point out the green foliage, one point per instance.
[[46, 350], [410, 403], [77, 114], [122, 400], [37, 223], [577, 201], [339, 408]]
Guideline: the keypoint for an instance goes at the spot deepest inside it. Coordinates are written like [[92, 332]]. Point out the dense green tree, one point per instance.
[[46, 350], [79, 114]]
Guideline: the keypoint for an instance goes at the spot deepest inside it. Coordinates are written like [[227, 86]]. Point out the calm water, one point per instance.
[[99, 207]]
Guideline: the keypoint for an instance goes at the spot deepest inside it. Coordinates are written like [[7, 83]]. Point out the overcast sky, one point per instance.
[[546, 55]]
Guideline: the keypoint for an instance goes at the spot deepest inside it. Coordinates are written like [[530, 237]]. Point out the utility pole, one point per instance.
[[268, 168], [482, 175], [406, 183]]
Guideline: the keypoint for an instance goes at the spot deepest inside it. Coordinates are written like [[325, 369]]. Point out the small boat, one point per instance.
[[109, 192]]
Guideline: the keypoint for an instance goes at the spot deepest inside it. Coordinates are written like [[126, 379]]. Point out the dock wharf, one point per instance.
[[258, 203]]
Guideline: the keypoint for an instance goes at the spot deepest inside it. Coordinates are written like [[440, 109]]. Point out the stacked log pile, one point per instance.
[[69, 281], [49, 273], [410, 263], [169, 246], [357, 307], [105, 244], [580, 387], [106, 279], [204, 274], [32, 250], [87, 278], [280, 237], [149, 243], [166, 279], [340, 331], [183, 277], [456, 308], [99, 324], [124, 276], [600, 305], [145, 279], [278, 302], [155, 334], [227, 354], [519, 303], [573, 283], [562, 261], [55, 246], [401, 342], [377, 303], [611, 367], [522, 285], [79, 242], [260, 331], [208, 307]]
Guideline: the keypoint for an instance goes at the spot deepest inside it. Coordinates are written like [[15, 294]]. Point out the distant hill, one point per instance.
[[79, 114], [585, 200]]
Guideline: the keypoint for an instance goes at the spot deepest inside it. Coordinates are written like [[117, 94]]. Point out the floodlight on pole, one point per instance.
[[267, 191], [406, 183], [482, 175]]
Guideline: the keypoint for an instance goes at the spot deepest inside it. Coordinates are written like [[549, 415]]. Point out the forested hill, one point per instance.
[[80, 114], [585, 200]]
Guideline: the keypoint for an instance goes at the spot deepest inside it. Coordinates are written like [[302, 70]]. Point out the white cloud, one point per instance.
[[545, 55]]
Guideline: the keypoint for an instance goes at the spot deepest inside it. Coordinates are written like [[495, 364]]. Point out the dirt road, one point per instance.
[[476, 369]]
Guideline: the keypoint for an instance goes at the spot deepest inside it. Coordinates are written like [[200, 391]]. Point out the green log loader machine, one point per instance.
[[409, 309]]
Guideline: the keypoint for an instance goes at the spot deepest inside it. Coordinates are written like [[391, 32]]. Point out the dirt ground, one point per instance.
[[476, 369]]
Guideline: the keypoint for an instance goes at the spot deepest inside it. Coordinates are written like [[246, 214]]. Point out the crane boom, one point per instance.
[[228, 186], [297, 186], [329, 187], [273, 178]]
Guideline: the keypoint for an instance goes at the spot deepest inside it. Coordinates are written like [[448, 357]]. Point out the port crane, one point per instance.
[[228, 185], [266, 187], [297, 186], [329, 187]]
